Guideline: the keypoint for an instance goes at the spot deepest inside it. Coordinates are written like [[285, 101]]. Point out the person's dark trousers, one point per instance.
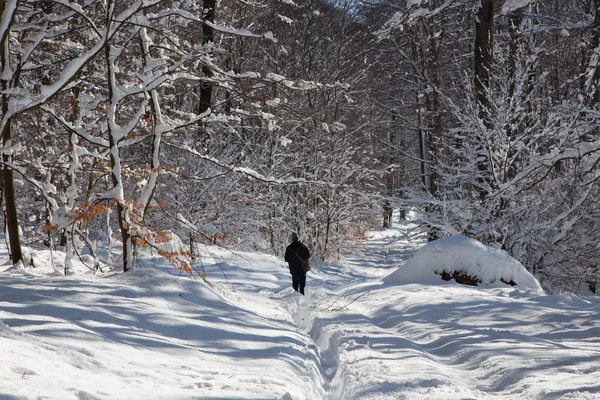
[[298, 282]]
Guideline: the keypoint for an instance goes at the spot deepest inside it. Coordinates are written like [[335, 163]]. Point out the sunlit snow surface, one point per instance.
[[358, 334]]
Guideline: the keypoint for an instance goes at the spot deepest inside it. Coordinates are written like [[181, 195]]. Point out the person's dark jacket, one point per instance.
[[293, 262]]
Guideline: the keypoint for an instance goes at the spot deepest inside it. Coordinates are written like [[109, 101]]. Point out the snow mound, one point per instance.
[[464, 255]]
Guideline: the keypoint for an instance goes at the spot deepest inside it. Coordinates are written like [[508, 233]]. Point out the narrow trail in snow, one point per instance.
[[331, 293], [379, 256]]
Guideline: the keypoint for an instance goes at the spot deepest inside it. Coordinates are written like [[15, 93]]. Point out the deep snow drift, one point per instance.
[[360, 333]]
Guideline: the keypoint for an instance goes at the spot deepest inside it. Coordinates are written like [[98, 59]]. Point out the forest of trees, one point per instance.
[[169, 123]]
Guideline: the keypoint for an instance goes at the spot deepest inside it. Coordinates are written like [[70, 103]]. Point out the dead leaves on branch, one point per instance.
[[166, 243]]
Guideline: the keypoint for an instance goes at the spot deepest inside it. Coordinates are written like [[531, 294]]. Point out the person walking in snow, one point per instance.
[[293, 253]]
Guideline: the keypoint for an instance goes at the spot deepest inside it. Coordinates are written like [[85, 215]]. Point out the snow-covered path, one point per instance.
[[151, 335]]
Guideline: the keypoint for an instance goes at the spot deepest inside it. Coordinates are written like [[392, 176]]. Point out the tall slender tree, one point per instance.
[[8, 80], [484, 57]]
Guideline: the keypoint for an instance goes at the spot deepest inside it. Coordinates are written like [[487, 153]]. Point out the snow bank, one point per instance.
[[469, 256]]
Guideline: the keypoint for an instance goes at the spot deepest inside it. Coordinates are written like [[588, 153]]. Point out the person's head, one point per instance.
[[294, 237]]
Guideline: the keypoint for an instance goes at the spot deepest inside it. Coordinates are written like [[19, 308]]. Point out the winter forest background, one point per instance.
[[171, 123]]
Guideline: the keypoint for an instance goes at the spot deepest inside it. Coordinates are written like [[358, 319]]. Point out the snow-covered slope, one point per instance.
[[150, 334]]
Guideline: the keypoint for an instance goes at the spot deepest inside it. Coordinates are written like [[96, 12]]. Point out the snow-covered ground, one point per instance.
[[362, 332]]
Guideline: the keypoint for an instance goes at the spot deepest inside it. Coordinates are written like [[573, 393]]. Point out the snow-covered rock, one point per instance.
[[464, 255]]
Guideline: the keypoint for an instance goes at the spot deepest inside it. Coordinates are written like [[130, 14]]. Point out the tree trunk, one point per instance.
[[428, 115], [8, 181], [387, 206], [484, 40], [12, 223], [149, 190], [115, 167], [593, 92], [208, 36], [519, 91], [387, 214]]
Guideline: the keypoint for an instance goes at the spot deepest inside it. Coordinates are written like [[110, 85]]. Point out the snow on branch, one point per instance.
[[513, 5], [79, 10], [76, 129], [243, 170], [413, 13], [547, 162], [46, 189], [10, 7], [218, 27]]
